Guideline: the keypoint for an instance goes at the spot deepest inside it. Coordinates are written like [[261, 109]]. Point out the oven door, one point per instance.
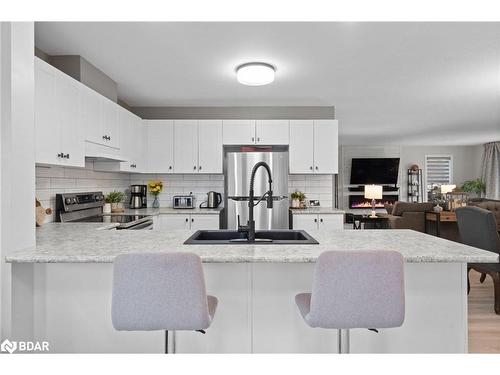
[[145, 225]]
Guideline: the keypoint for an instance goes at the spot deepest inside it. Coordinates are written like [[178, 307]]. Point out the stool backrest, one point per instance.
[[159, 292], [358, 289], [478, 228]]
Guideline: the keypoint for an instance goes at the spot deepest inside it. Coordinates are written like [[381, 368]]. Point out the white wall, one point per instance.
[[17, 168]]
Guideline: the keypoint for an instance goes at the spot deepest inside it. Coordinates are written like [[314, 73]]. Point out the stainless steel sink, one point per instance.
[[230, 237]]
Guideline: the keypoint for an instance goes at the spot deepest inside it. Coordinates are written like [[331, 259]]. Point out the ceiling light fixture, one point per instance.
[[255, 74]]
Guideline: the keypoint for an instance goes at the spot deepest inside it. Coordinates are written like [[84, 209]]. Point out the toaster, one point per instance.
[[184, 201]]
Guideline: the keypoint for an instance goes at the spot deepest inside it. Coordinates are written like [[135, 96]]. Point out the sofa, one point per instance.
[[490, 205], [404, 215]]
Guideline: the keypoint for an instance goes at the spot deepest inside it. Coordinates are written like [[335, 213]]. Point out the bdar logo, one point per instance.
[[8, 346]]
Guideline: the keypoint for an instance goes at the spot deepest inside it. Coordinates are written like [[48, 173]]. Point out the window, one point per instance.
[[438, 170]]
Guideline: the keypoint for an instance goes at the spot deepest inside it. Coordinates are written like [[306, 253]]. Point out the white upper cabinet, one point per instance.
[[160, 146], [314, 146], [271, 132], [185, 146], [210, 146], [58, 128], [238, 132], [326, 144], [301, 149]]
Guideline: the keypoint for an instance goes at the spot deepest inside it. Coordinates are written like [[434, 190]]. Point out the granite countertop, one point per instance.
[[169, 210], [85, 243], [317, 210]]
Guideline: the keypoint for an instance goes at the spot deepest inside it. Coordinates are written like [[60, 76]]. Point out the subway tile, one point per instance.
[[62, 183], [42, 183]]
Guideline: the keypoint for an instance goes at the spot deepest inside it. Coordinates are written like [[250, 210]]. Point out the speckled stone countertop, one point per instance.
[[85, 243], [317, 210], [170, 210]]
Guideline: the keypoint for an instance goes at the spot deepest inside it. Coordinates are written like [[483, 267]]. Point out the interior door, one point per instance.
[[326, 146], [210, 146], [186, 137], [160, 141], [272, 132], [301, 146], [47, 131]]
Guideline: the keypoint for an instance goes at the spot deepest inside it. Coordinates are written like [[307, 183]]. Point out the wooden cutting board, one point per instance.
[[41, 213]]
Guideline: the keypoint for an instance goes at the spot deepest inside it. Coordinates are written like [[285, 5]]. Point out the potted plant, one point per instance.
[[155, 188], [298, 198], [115, 198], [474, 186]]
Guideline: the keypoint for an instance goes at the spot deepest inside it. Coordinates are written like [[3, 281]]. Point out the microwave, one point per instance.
[[183, 201]]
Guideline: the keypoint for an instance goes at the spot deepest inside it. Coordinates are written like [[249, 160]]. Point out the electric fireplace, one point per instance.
[[360, 202]]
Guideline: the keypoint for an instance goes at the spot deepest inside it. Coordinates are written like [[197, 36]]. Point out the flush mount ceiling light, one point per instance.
[[255, 74]]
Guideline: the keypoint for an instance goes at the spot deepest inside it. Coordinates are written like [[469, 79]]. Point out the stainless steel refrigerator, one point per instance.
[[238, 164]]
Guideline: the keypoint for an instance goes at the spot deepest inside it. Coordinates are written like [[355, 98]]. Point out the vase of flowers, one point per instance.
[[155, 188]]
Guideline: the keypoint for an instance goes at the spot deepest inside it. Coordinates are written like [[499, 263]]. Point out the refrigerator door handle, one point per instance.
[[246, 198]]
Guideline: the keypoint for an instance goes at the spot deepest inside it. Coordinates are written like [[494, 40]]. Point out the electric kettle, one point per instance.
[[214, 199]]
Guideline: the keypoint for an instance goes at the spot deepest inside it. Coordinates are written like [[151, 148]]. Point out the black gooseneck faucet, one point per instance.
[[250, 228]]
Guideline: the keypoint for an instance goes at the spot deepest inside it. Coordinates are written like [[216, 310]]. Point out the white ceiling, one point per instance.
[[390, 83]]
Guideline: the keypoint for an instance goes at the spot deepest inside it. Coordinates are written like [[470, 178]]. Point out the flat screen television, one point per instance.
[[374, 171]]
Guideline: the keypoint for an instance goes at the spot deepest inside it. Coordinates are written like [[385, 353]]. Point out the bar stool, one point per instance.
[[355, 289], [160, 292]]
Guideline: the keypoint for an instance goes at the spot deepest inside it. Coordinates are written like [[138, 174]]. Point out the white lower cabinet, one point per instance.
[[186, 221], [318, 221]]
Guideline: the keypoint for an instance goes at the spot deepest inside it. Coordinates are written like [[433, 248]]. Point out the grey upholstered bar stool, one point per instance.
[[160, 292], [355, 289]]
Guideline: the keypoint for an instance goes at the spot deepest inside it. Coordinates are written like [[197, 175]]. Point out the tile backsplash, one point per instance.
[[53, 180], [181, 184]]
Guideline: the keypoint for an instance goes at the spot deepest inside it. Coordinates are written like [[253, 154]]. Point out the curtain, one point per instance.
[[491, 170]]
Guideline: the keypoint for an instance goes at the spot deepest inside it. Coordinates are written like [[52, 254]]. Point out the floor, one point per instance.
[[484, 324]]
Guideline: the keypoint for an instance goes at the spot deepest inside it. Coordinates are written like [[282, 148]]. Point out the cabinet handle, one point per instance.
[[192, 220], [253, 139], [316, 167], [258, 139], [60, 155], [104, 137], [66, 156], [199, 167], [311, 168], [187, 220], [170, 167], [315, 220], [194, 167], [320, 220]]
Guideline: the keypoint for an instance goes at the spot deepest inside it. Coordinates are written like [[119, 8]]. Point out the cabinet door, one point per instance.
[[47, 132], [126, 136], [326, 146], [301, 150], [69, 118], [331, 221], [173, 222], [110, 122], [186, 138], [160, 149], [238, 132], [272, 132], [305, 222], [140, 164], [204, 221], [210, 146], [92, 115]]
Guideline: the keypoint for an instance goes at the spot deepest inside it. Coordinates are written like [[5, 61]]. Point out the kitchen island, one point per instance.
[[62, 291]]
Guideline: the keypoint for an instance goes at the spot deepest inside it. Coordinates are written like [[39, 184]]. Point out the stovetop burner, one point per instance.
[[122, 219]]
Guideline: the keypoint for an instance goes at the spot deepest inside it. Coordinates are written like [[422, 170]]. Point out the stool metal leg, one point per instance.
[[343, 341], [170, 344]]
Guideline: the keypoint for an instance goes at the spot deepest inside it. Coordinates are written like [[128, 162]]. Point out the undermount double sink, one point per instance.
[[262, 237]]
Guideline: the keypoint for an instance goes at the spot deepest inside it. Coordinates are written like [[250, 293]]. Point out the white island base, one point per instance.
[[69, 305]]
